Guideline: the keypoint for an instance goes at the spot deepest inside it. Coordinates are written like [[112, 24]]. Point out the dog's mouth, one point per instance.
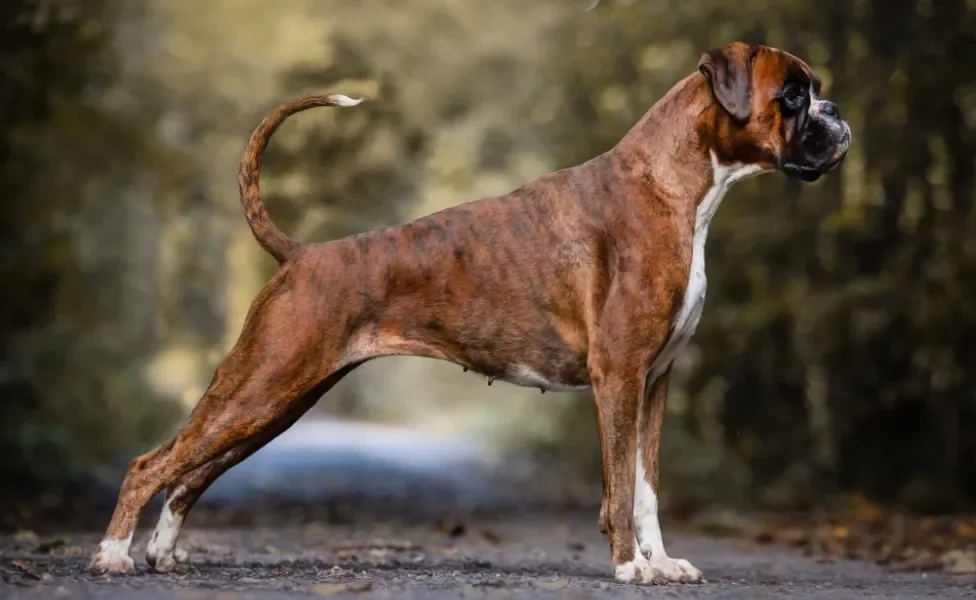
[[811, 173], [801, 172]]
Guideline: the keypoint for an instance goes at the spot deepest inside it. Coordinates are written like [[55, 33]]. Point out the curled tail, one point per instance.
[[267, 234]]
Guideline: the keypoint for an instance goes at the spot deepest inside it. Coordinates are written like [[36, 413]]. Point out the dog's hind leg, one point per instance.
[[161, 551], [262, 386]]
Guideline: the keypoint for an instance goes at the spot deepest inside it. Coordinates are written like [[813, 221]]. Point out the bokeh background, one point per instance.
[[837, 350]]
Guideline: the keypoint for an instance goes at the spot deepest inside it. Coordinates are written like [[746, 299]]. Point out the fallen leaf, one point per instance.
[[552, 585], [26, 569], [866, 511], [25, 535], [965, 530], [333, 589], [959, 562], [490, 537]]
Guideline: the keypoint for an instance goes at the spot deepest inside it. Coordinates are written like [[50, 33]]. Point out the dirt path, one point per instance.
[[560, 556], [293, 522]]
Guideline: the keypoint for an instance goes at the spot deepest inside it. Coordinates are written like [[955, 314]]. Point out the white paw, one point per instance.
[[675, 570], [161, 551], [163, 562], [637, 571], [107, 562]]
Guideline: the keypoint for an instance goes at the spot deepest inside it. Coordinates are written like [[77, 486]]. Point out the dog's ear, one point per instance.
[[729, 74]]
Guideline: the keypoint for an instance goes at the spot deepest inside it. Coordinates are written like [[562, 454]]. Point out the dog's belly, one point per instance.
[[524, 376], [536, 361], [528, 356]]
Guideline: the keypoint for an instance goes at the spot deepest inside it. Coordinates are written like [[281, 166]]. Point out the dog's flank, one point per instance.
[[272, 239]]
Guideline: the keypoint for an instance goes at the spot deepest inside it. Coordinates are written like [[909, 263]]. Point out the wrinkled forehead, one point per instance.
[[774, 69]]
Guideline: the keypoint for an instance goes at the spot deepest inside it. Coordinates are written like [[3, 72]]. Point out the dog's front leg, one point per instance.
[[617, 391], [646, 489]]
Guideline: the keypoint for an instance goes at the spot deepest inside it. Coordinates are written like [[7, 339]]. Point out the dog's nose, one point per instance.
[[830, 109]]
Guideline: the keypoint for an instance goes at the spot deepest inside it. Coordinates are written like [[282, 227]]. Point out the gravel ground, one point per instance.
[[353, 511], [538, 556]]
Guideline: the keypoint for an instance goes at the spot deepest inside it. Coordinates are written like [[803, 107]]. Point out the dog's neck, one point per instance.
[[669, 152]]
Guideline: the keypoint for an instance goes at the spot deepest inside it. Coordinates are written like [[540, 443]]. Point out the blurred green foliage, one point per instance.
[[834, 352], [66, 161]]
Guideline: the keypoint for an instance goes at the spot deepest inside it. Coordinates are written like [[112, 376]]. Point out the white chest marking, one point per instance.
[[723, 176]]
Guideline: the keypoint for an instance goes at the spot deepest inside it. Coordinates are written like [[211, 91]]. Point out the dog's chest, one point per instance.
[[686, 320], [689, 314]]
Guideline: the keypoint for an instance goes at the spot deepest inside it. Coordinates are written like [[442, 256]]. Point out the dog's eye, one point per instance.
[[794, 96]]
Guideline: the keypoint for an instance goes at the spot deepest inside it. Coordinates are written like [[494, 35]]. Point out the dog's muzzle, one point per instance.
[[823, 147]]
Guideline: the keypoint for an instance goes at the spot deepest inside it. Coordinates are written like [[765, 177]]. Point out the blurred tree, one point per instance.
[[71, 144]]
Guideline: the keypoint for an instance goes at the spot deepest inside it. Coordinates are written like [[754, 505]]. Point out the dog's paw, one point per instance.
[[637, 571], [675, 570], [106, 561], [167, 562], [178, 561], [657, 571]]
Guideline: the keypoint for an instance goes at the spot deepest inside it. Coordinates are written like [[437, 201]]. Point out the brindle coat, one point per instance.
[[573, 280]]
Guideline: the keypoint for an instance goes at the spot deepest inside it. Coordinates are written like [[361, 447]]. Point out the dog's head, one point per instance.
[[771, 112]]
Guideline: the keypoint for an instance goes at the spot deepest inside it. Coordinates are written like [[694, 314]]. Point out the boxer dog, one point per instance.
[[592, 277]]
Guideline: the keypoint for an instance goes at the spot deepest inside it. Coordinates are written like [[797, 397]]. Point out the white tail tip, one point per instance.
[[342, 100]]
